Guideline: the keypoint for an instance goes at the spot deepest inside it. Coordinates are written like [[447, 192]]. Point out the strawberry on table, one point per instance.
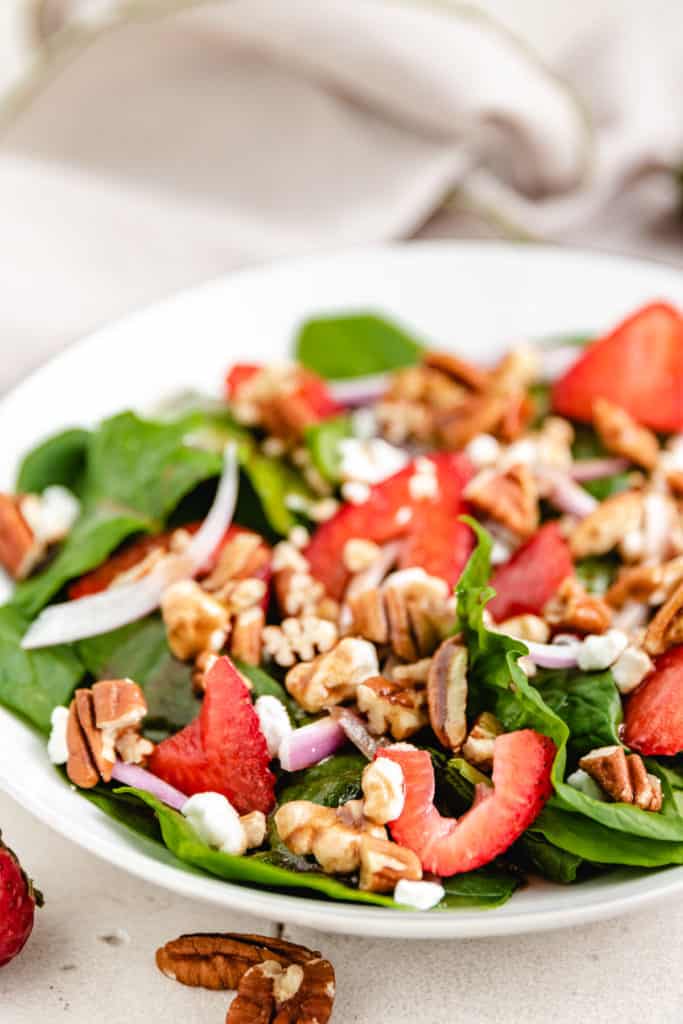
[[526, 582], [18, 901], [433, 537], [223, 750], [522, 763], [638, 366], [654, 712]]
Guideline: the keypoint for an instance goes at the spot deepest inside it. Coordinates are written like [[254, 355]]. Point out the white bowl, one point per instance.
[[476, 298]]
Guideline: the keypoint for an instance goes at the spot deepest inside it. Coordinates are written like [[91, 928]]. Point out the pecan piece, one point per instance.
[[666, 629], [621, 435], [410, 611], [103, 722], [241, 557], [623, 777], [607, 525], [268, 994], [247, 635], [476, 414], [458, 369], [572, 608], [219, 961], [447, 693], [383, 864], [480, 743], [195, 621], [651, 584], [392, 707], [509, 498], [20, 551]]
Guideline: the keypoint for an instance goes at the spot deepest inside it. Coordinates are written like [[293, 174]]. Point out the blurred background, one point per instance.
[[146, 145]]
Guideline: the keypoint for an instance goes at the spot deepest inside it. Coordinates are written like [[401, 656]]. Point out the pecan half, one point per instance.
[[20, 552], [621, 435], [666, 629], [509, 498], [247, 635], [476, 414], [410, 612], [392, 707], [220, 960], [103, 722], [606, 526], [651, 584], [447, 693], [572, 608], [267, 994], [623, 777], [458, 369]]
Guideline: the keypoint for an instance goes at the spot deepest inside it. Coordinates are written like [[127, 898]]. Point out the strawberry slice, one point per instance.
[[522, 763], [529, 579], [222, 751], [434, 538], [134, 551], [310, 393], [654, 712], [638, 366]]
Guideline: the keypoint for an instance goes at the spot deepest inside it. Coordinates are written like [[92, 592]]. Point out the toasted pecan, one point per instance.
[[509, 498], [666, 629], [220, 960], [621, 435]]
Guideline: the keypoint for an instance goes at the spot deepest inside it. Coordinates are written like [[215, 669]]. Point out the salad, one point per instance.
[[382, 625]]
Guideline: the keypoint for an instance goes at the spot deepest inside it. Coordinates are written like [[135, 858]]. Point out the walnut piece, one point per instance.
[[607, 525], [480, 743], [246, 637], [103, 722], [220, 961], [447, 694], [622, 436], [383, 864], [241, 557], [666, 629], [392, 707], [623, 777], [383, 790], [293, 995], [20, 550], [572, 609], [195, 621], [332, 835], [333, 676], [509, 498], [525, 627], [299, 639], [297, 592]]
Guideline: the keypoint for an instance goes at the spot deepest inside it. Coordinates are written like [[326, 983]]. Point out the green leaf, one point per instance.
[[275, 482], [548, 860], [597, 573], [140, 651], [322, 440], [32, 683], [264, 685], [181, 840], [487, 887], [601, 844], [58, 460], [355, 346], [606, 486], [588, 702], [331, 783]]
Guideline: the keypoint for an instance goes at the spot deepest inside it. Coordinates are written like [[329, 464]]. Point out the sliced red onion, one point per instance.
[[139, 778], [595, 469], [568, 496], [657, 526], [359, 390], [356, 731], [553, 655], [311, 744], [117, 606], [556, 361], [632, 616]]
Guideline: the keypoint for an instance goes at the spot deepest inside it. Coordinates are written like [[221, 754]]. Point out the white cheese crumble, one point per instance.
[[419, 895], [424, 483], [51, 514], [582, 781], [57, 749], [597, 652], [216, 822], [630, 668], [369, 461], [355, 492], [274, 721], [483, 450]]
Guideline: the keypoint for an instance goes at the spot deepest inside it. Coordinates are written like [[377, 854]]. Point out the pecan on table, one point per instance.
[[220, 960]]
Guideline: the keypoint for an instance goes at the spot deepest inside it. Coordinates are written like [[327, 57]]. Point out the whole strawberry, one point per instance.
[[18, 901]]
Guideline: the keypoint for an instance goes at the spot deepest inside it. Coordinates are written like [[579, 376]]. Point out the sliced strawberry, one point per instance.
[[638, 366], [654, 712], [434, 537], [530, 578], [237, 376], [311, 392], [522, 762], [134, 551], [224, 750]]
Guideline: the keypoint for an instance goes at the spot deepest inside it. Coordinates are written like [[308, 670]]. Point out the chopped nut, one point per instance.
[[295, 995], [651, 584], [476, 414], [332, 835], [333, 676], [360, 554], [20, 551], [220, 961], [400, 421], [242, 556], [624, 778], [383, 790], [246, 637], [480, 743], [195, 621], [621, 435], [299, 821], [518, 369], [447, 693], [203, 664], [605, 527], [525, 627], [102, 723], [666, 629], [238, 595], [297, 591], [391, 707], [411, 611], [415, 672], [509, 498], [299, 639], [80, 766], [368, 614], [572, 609], [471, 376], [286, 556], [383, 864]]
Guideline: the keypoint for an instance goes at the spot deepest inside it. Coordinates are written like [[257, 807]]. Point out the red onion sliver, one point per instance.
[[553, 655], [311, 744], [594, 469], [568, 496], [359, 390], [632, 616], [356, 731], [139, 778], [117, 606]]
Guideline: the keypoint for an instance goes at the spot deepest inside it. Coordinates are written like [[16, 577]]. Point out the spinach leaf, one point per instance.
[[588, 702], [549, 860], [275, 482], [264, 685], [322, 440], [58, 460], [331, 783], [598, 572], [32, 683], [606, 486], [124, 808], [180, 838], [487, 887], [141, 652], [601, 843], [355, 346]]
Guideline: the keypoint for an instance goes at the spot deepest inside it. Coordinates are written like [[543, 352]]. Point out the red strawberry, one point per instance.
[[638, 366], [18, 901], [522, 763], [222, 751], [134, 551], [311, 391], [238, 375], [654, 713], [530, 578], [434, 537]]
